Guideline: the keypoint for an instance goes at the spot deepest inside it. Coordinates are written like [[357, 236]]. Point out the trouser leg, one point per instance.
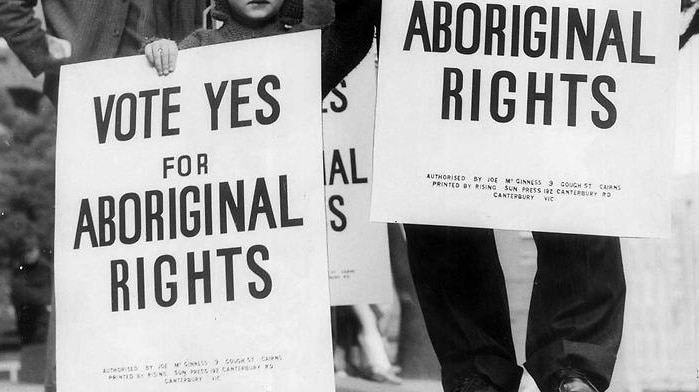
[[462, 294], [577, 308]]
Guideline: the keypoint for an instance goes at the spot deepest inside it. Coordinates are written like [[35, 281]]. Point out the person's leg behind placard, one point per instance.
[[576, 313], [463, 297]]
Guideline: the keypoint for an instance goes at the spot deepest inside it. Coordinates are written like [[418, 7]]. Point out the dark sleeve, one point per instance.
[[347, 39], [185, 17], [193, 40], [24, 34]]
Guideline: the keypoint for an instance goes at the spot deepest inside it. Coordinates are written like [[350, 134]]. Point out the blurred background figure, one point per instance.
[[31, 293], [360, 347], [27, 141]]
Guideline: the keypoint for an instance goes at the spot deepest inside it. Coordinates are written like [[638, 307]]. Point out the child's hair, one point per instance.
[[290, 14]]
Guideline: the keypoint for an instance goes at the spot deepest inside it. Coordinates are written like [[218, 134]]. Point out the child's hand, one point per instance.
[[162, 54]]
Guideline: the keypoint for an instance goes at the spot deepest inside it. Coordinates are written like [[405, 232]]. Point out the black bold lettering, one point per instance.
[[103, 117], [215, 101], [495, 28], [476, 95], [123, 237], [604, 102], [495, 96], [259, 271], [148, 114], [204, 275], [418, 26], [172, 216], [169, 109], [546, 97], [261, 204], [555, 30], [171, 286], [85, 225], [208, 214], [441, 40], [514, 36], [337, 167], [228, 254], [342, 106], [353, 165], [452, 77], [573, 80], [333, 202], [237, 100], [585, 34], [235, 207], [636, 56], [269, 99], [140, 283], [611, 36], [120, 284], [154, 213], [105, 206], [120, 135], [284, 205], [531, 48], [475, 32], [184, 210]]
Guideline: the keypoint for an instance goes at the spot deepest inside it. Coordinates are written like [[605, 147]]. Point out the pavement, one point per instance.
[[353, 384], [6, 386], [343, 384]]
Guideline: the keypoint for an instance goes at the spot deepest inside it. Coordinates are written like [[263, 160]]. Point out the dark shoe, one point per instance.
[[574, 381], [474, 383]]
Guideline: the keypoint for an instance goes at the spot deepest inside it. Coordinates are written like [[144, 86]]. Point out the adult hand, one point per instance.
[[162, 54], [59, 49]]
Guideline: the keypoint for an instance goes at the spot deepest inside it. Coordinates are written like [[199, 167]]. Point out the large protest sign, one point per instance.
[[359, 264], [190, 222], [526, 115]]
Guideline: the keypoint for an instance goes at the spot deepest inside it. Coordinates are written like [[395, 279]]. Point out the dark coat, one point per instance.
[[345, 41], [93, 27], [31, 298]]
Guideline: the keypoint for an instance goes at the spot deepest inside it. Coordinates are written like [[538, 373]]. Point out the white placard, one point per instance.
[[359, 263], [527, 115], [190, 241]]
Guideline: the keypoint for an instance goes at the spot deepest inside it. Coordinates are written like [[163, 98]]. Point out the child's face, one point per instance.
[[255, 11]]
